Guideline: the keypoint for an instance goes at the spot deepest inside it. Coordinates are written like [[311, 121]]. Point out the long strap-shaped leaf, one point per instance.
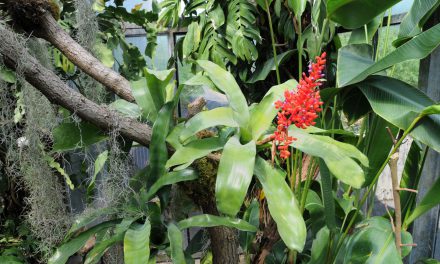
[[414, 20], [234, 175], [207, 220], [176, 244], [221, 116], [399, 103], [137, 244], [171, 178], [158, 147], [417, 48], [353, 14], [194, 150], [338, 156], [227, 84], [69, 248], [157, 81], [282, 205], [101, 247], [264, 112], [327, 195]]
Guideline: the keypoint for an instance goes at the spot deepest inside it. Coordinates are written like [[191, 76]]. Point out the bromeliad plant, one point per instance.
[[286, 213]]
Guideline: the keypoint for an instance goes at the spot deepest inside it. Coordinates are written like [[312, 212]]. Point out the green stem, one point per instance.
[[300, 48], [387, 34], [269, 17], [370, 187], [310, 173], [366, 34], [295, 168], [324, 29], [362, 131]]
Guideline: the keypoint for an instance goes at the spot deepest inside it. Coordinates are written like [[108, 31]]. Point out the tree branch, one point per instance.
[[51, 31], [15, 55]]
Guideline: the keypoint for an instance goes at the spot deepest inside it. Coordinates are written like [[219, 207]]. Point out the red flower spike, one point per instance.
[[301, 107]]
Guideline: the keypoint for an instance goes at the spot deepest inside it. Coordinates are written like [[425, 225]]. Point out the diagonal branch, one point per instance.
[[15, 55], [51, 31]]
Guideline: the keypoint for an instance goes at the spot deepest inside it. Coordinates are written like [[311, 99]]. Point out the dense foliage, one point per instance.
[[289, 166]]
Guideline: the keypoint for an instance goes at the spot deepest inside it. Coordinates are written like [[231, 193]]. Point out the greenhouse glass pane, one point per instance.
[[402, 7], [190, 93], [407, 71], [130, 4], [160, 58]]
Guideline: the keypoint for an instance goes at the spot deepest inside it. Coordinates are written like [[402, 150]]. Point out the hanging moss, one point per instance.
[[87, 35]]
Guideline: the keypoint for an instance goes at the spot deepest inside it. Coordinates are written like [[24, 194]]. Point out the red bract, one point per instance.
[[299, 107]]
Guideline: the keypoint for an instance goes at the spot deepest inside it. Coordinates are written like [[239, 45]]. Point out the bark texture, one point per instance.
[[50, 30], [224, 240], [58, 92]]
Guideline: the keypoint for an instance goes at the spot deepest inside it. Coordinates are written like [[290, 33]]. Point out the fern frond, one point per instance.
[[241, 30]]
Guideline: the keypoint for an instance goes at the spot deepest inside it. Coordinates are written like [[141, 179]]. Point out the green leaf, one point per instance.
[[360, 55], [194, 150], [144, 100], [373, 242], [417, 48], [7, 75], [98, 5], [137, 243], [11, 260], [264, 112], [319, 251], [399, 103], [157, 81], [176, 244], [283, 206], [207, 220], [261, 73], [173, 136], [414, 20], [55, 165], [327, 195], [227, 84], [191, 40], [158, 146], [126, 108], [103, 245], [69, 248], [234, 175], [262, 4], [242, 30], [339, 157], [378, 146], [68, 136], [87, 219], [298, 7], [431, 110], [171, 178], [410, 177], [99, 164], [353, 14], [220, 116], [358, 35], [104, 54], [251, 215]]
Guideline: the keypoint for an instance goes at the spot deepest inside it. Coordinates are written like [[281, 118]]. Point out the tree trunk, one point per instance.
[[52, 32], [16, 57], [224, 240]]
